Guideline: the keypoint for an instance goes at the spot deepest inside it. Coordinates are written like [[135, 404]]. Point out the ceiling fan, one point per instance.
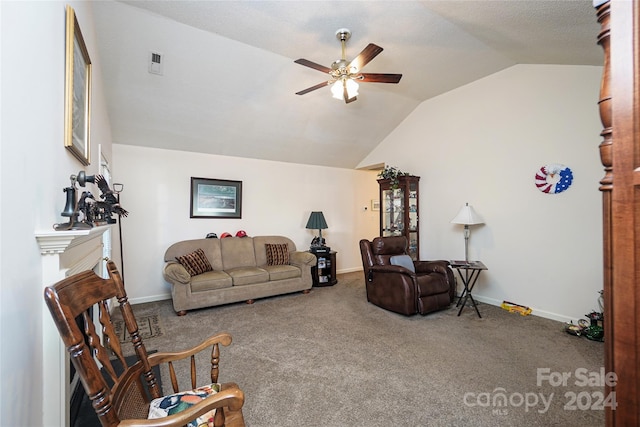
[[344, 74]]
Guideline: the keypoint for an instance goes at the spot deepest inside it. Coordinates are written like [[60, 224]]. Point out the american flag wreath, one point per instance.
[[553, 178]]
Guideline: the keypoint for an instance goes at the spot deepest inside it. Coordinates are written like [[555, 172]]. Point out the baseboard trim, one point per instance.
[[151, 298], [348, 270], [479, 298], [534, 311]]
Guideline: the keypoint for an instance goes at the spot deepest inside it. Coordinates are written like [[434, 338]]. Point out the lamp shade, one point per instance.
[[316, 221], [338, 88], [467, 216]]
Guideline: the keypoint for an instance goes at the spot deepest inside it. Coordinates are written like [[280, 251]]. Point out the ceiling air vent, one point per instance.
[[155, 63]]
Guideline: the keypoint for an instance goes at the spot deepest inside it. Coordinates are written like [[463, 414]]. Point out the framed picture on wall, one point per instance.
[[216, 198], [77, 98]]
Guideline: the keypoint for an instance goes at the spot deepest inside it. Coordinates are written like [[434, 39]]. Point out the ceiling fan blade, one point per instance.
[[381, 78], [347, 101], [312, 88], [367, 54], [313, 65]]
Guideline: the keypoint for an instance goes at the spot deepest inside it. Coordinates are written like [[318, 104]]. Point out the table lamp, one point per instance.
[[317, 222], [467, 216]]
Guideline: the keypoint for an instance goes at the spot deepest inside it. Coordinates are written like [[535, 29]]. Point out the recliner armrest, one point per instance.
[[441, 267], [394, 269]]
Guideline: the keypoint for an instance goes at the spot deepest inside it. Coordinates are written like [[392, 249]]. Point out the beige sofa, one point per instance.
[[240, 271]]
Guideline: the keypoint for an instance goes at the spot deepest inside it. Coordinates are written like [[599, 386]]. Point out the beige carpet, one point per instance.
[[331, 359]]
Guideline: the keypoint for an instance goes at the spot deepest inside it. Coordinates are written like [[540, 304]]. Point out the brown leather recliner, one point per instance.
[[396, 288]]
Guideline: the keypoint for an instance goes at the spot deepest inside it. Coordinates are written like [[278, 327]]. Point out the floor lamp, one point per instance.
[[467, 216], [117, 189]]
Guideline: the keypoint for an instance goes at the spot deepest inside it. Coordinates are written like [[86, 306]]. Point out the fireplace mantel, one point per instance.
[[56, 242], [63, 253]]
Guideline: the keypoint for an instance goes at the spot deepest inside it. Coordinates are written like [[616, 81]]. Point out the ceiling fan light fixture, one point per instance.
[[343, 73], [337, 89]]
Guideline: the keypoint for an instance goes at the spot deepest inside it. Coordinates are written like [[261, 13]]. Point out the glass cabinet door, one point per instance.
[[399, 211], [393, 212], [412, 226]]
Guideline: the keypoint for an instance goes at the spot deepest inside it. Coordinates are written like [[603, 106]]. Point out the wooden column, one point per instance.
[[606, 185], [620, 155]]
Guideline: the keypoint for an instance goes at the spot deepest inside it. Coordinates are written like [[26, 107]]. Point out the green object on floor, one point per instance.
[[594, 333]]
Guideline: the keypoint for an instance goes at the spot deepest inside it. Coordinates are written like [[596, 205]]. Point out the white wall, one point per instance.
[[277, 199], [482, 144], [34, 168]]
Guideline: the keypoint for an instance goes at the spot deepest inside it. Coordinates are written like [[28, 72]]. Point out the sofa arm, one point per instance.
[[174, 272], [301, 259]]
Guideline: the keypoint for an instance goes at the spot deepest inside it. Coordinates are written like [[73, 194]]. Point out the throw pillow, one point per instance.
[[277, 253], [403, 261], [195, 263], [178, 402]]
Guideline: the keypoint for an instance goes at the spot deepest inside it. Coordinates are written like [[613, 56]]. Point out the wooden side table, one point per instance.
[[472, 271], [324, 272]]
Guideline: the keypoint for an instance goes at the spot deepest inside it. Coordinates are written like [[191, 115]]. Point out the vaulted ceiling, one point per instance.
[[228, 78]]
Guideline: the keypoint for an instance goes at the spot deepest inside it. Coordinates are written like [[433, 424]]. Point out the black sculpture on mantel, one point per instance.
[[94, 212]]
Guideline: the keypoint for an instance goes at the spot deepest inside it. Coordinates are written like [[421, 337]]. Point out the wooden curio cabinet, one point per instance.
[[399, 211]]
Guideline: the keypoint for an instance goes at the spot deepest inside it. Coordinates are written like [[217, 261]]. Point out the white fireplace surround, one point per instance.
[[63, 253]]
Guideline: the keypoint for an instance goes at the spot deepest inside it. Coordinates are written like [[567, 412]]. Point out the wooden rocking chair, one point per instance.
[[127, 401]]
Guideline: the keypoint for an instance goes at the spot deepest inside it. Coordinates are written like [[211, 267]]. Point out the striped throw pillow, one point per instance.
[[277, 253], [195, 263]]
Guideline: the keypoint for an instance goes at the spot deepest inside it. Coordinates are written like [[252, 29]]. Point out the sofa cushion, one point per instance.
[[237, 252], [281, 272], [277, 253], [195, 262], [210, 280], [248, 275]]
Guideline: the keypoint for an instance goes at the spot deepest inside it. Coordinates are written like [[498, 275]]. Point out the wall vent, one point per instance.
[[155, 63]]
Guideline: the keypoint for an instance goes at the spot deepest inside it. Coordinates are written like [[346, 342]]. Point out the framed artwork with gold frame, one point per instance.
[[77, 102]]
